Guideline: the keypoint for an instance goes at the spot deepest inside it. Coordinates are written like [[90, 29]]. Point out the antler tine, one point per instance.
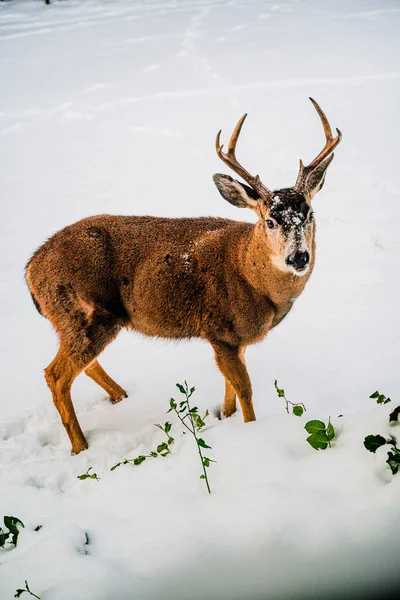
[[331, 142], [229, 158], [330, 145]]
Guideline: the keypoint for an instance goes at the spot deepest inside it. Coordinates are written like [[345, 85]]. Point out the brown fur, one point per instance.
[[209, 278]]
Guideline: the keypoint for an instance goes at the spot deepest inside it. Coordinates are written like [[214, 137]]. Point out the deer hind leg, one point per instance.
[[81, 341], [60, 375], [231, 363], [96, 372]]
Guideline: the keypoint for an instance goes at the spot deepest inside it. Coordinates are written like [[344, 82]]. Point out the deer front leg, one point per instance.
[[229, 406], [231, 363]]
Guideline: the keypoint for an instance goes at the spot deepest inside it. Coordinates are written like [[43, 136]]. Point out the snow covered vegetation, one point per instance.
[[112, 107]]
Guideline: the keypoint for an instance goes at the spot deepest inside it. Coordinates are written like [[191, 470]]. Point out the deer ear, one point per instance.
[[316, 178], [238, 194]]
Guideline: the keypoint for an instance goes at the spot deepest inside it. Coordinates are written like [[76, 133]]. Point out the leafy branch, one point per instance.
[[297, 407], [25, 590], [162, 449], [193, 422], [380, 398]]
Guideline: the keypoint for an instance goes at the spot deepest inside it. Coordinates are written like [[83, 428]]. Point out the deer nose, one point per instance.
[[298, 260]]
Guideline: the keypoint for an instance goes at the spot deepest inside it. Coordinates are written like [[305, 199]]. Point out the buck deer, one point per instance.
[[224, 281]]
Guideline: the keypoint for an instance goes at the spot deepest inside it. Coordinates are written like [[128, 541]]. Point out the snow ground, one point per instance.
[[113, 107]]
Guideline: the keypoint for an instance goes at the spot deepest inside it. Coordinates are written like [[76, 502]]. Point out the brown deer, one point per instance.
[[224, 281]]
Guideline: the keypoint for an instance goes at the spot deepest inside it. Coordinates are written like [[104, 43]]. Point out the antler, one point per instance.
[[229, 159], [330, 145]]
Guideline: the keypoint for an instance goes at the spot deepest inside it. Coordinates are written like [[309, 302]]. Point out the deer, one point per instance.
[[224, 281]]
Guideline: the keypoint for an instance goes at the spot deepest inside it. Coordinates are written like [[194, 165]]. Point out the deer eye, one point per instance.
[[270, 224], [311, 217]]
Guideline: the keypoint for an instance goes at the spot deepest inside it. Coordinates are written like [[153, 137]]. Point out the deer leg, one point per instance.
[[98, 374], [60, 375], [229, 406], [231, 363], [80, 344]]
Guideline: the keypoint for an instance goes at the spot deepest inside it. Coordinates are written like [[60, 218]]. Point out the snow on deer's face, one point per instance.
[[289, 225]]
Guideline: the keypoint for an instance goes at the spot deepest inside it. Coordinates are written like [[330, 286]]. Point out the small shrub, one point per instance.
[[193, 422], [321, 434], [373, 442]]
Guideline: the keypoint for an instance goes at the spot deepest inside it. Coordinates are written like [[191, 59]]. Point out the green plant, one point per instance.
[[321, 434], [162, 449], [297, 408], [193, 422], [25, 590], [380, 398], [11, 523], [373, 442], [88, 475], [394, 415]]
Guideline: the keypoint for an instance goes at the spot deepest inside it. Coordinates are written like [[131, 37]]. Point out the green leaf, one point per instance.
[[154, 454], [194, 410], [202, 476], [206, 462], [181, 388], [280, 392], [318, 440], [298, 410], [206, 414], [373, 442], [167, 427], [394, 416], [197, 420], [393, 459], [18, 593], [138, 461], [115, 466], [375, 395], [330, 432], [3, 537], [162, 447], [314, 426], [202, 443]]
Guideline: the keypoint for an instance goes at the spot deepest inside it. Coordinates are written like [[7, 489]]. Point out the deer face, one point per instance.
[[285, 214], [290, 227], [286, 219]]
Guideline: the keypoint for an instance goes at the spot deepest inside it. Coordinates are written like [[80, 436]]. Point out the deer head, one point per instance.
[[285, 215]]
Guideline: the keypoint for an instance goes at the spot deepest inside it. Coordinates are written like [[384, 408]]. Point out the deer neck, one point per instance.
[[281, 287]]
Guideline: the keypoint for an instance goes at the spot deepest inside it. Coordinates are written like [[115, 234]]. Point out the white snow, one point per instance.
[[112, 107]]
